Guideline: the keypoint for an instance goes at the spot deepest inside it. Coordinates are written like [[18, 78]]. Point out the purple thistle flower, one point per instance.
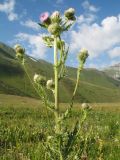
[[44, 17]]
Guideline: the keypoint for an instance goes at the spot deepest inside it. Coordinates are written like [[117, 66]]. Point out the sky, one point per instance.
[[97, 29]]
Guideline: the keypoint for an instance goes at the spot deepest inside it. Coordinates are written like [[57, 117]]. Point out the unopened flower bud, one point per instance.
[[16, 46], [83, 55], [20, 51], [86, 106], [55, 17], [70, 14], [39, 79], [84, 156], [71, 11], [54, 29], [19, 48], [50, 84], [49, 138]]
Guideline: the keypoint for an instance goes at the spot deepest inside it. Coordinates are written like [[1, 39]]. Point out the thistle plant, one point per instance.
[[63, 143]]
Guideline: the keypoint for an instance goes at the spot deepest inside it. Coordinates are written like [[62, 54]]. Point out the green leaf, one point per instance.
[[42, 25], [48, 41]]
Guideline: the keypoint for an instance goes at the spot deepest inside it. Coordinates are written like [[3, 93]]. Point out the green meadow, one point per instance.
[[25, 123]]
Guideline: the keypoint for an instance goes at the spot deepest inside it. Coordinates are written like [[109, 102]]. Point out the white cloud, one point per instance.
[[87, 18], [115, 52], [8, 8], [59, 1], [35, 44], [98, 39], [89, 7], [30, 24], [89, 14]]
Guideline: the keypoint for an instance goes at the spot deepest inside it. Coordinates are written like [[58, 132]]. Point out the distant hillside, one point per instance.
[[113, 71], [95, 85]]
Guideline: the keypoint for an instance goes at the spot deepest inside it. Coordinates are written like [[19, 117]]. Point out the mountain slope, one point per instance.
[[95, 85], [113, 71]]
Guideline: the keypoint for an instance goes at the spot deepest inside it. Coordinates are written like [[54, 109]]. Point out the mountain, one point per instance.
[[113, 71], [95, 86]]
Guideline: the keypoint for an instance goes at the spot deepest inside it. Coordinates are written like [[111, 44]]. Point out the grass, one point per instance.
[[24, 124]]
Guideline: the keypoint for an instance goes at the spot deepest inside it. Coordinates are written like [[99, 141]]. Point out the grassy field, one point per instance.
[[24, 125]]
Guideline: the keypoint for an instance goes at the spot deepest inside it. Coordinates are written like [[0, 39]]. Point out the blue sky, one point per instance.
[[97, 28]]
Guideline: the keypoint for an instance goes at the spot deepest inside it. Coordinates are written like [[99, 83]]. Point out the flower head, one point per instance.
[[49, 138], [83, 55], [54, 29], [86, 106], [19, 48], [70, 14], [16, 46], [55, 17], [35, 78], [39, 79], [20, 51], [44, 17], [71, 11], [50, 84]]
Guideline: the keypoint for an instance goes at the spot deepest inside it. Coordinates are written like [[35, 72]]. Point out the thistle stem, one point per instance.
[[56, 113], [78, 77], [77, 83], [25, 69], [56, 74]]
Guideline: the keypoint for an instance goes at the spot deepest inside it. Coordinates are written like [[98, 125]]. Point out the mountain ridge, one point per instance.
[[113, 71], [95, 85]]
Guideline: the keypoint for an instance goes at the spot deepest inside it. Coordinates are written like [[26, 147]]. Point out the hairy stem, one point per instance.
[[77, 83], [56, 85], [58, 128], [46, 103], [74, 92], [25, 69], [56, 74]]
